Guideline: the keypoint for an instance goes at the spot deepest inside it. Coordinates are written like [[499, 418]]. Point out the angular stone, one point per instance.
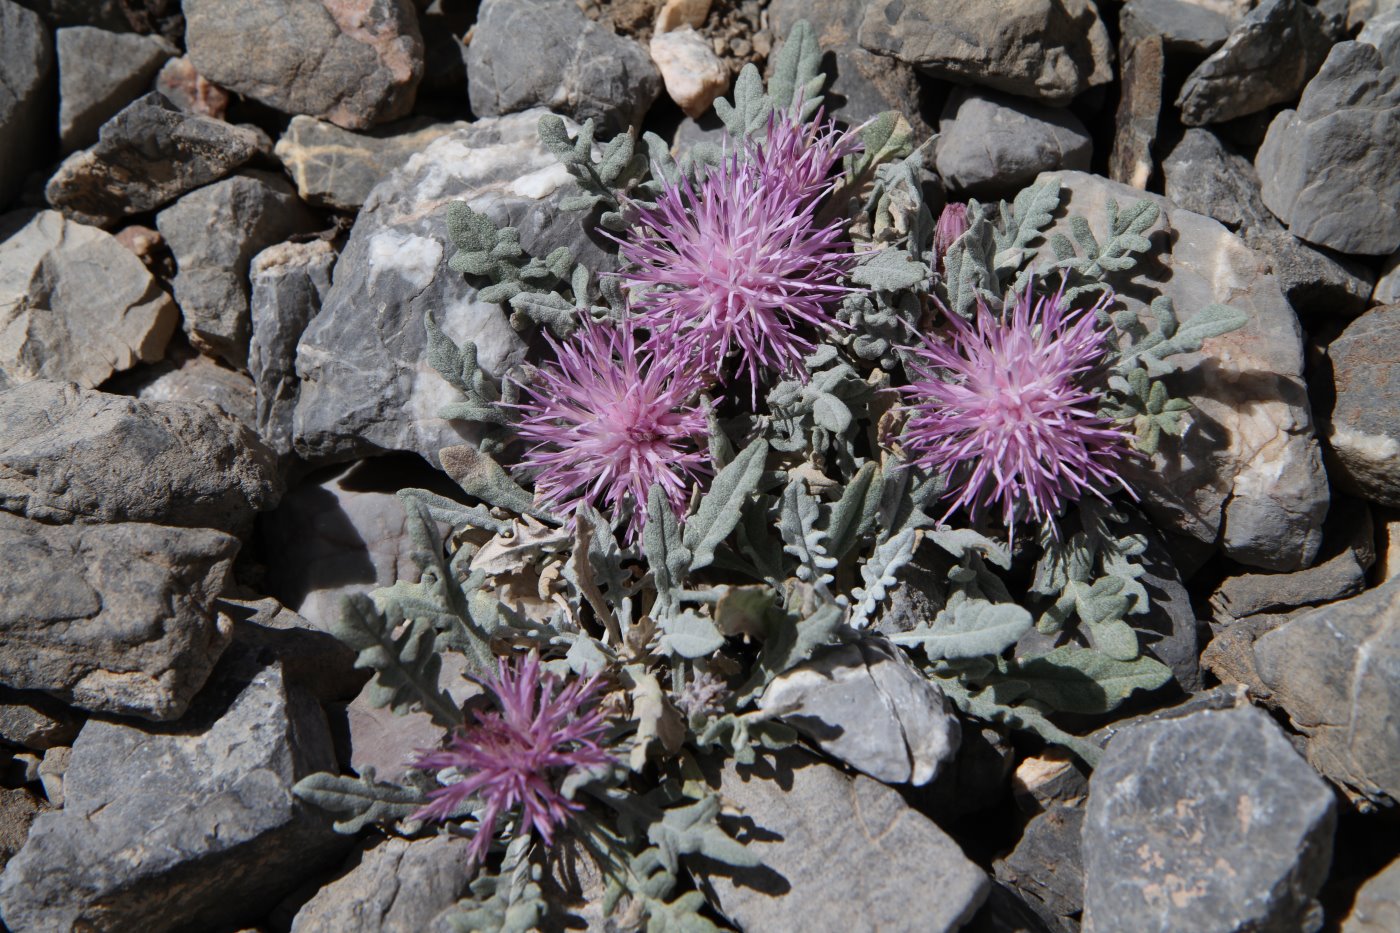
[[60, 14], [1047, 866], [336, 168], [866, 705], [145, 157], [99, 73], [354, 64], [289, 282], [1364, 427], [1048, 50], [397, 886], [1383, 32], [367, 385], [809, 824], [191, 825], [26, 58], [72, 455], [51, 772], [214, 233], [1139, 110], [546, 53], [1336, 672], [1269, 56], [1362, 11], [1326, 168], [1376, 908], [310, 657], [35, 720], [1185, 27], [74, 303], [1252, 593], [1387, 290], [1210, 821], [18, 808], [1247, 472], [1169, 629], [1202, 175], [112, 618], [860, 84], [990, 142], [189, 90], [193, 377], [691, 71]]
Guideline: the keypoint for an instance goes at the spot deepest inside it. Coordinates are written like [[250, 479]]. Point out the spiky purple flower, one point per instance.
[[952, 223], [606, 421], [1008, 408], [517, 756], [738, 262]]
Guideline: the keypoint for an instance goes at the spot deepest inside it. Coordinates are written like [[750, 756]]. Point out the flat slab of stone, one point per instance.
[[1364, 427], [1210, 821], [990, 142]]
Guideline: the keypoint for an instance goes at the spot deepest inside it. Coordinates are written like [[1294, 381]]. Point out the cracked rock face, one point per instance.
[[1364, 430], [398, 886]]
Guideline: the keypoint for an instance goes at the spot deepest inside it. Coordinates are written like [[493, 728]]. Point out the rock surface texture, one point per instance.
[[1209, 821], [98, 73], [994, 142], [1364, 428], [354, 64], [26, 58]]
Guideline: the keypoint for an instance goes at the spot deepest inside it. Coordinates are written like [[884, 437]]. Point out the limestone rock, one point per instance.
[[1047, 866], [1049, 50], [1336, 672], [145, 157], [18, 808], [1210, 821], [112, 618], [72, 455], [1387, 290], [546, 53], [36, 720], [193, 377], [691, 71], [865, 704], [214, 233], [310, 657], [1247, 472], [1267, 59], [1360, 12], [189, 90], [397, 886], [367, 386], [354, 64], [1139, 110], [809, 824], [1326, 167], [336, 168], [1377, 905], [99, 73], [1364, 429], [1191, 27], [188, 826], [26, 58], [990, 142], [60, 14], [74, 303], [289, 282]]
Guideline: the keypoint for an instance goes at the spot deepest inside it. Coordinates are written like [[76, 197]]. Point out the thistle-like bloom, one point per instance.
[[1009, 409], [517, 756], [952, 223], [606, 421], [738, 262]]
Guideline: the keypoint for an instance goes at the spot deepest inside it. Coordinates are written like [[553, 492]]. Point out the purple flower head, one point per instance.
[[516, 756], [606, 421], [738, 261], [952, 223], [1008, 409]]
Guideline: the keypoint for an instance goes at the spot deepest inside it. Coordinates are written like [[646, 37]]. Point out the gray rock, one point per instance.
[[1376, 908], [289, 282], [1383, 32], [74, 303], [367, 385], [59, 14], [860, 84], [1205, 822], [1204, 176], [99, 73], [51, 772], [18, 808], [1336, 672], [145, 157], [994, 143], [1361, 12], [112, 618], [72, 455], [189, 826], [1387, 290], [809, 824], [1169, 629], [1326, 168], [35, 720], [1230, 654], [214, 233], [867, 705], [310, 657], [546, 53], [192, 377], [26, 57], [189, 90], [1047, 866], [1049, 51], [1247, 473], [1364, 427], [336, 168], [1269, 56], [1185, 27], [397, 886], [1143, 70], [352, 64]]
